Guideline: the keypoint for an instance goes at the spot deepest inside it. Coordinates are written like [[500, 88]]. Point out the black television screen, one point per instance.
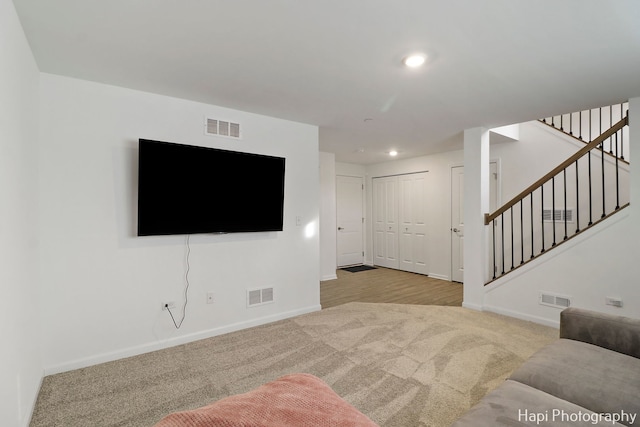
[[184, 189]]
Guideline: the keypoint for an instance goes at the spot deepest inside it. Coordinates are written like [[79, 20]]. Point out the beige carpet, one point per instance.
[[402, 365]]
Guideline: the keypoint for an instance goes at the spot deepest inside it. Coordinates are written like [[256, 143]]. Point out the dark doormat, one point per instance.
[[357, 268]]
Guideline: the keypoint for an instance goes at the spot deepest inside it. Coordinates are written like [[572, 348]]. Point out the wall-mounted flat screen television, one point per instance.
[[184, 189]]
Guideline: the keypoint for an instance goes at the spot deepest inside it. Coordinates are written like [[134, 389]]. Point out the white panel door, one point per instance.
[[457, 224], [378, 222], [457, 216], [349, 220], [413, 223], [385, 212]]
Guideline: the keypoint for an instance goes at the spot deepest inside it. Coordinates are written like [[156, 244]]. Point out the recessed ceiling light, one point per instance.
[[415, 60], [393, 153]]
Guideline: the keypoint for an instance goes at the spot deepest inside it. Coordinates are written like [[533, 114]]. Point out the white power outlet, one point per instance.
[[170, 304], [210, 299]]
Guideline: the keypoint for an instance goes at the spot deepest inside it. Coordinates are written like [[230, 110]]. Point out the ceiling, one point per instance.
[[337, 64]]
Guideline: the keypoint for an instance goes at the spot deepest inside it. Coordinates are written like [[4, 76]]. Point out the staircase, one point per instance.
[[579, 193]]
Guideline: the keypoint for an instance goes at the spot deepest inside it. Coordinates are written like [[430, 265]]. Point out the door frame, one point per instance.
[[498, 202], [362, 214]]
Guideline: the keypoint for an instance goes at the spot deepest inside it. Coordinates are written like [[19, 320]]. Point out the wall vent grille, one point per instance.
[[216, 127], [553, 300], [259, 296], [559, 215]]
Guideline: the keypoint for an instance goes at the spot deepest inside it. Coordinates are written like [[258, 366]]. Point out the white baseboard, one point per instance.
[[172, 342], [523, 316], [476, 307], [329, 277], [439, 276]]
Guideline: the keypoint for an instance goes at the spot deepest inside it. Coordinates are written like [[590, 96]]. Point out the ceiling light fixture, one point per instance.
[[415, 60], [393, 153]]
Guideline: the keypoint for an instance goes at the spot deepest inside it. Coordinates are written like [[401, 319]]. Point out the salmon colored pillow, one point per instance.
[[295, 400]]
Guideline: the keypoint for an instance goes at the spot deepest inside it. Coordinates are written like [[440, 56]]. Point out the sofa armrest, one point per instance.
[[617, 333]]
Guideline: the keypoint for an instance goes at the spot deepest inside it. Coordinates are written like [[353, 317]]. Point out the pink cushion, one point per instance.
[[294, 400]]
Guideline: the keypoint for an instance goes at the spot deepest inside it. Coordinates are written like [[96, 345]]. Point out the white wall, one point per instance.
[[600, 263], [538, 150], [102, 286], [20, 362], [350, 169], [328, 260]]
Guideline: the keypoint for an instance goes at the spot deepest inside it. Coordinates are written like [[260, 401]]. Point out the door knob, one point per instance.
[[340, 228], [455, 230]]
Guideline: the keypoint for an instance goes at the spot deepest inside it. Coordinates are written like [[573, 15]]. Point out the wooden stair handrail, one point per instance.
[[584, 150]]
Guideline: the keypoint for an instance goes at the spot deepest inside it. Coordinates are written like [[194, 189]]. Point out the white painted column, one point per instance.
[[328, 225], [476, 204]]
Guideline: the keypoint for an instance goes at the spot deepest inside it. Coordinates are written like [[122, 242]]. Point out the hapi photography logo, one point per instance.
[[560, 415]]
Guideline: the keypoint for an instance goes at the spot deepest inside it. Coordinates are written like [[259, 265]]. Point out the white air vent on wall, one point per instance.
[[552, 300], [222, 128], [259, 296], [559, 215]]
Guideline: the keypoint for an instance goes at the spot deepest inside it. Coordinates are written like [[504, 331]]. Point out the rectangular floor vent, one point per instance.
[[225, 128], [259, 296], [552, 300]]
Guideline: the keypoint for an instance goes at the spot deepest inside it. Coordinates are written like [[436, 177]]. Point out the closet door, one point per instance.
[[412, 232], [385, 221]]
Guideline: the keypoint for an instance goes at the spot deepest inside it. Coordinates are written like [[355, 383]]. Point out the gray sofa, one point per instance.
[[590, 376]]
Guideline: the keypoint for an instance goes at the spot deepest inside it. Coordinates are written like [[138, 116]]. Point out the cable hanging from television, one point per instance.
[[186, 288]]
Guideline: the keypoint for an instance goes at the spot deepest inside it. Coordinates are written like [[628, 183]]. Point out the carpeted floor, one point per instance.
[[401, 365]]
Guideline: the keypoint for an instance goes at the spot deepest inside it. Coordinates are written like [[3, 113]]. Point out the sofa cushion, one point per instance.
[[295, 400], [617, 333], [593, 377], [516, 404]]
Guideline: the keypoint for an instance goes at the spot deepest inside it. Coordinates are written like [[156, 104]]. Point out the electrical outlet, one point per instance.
[[210, 298], [170, 304]]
